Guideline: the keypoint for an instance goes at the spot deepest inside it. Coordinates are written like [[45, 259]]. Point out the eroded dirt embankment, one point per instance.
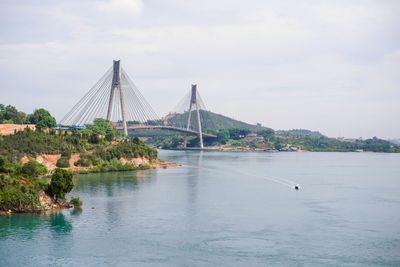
[[157, 164], [50, 161], [6, 129]]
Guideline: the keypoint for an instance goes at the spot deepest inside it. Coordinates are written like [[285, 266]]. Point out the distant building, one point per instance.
[[346, 140], [289, 148], [251, 135]]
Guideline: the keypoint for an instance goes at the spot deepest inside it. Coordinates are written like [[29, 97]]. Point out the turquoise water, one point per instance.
[[223, 209]]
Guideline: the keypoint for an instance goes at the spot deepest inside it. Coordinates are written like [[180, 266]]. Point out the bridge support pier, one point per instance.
[[193, 101], [117, 84]]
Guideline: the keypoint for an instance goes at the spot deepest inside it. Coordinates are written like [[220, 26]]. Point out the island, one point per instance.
[[37, 162], [234, 135]]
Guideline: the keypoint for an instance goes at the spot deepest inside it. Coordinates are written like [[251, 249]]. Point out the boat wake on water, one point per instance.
[[277, 180], [281, 181], [284, 182]]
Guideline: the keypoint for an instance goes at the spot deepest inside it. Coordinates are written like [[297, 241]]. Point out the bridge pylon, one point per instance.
[[114, 98], [194, 102], [117, 85]]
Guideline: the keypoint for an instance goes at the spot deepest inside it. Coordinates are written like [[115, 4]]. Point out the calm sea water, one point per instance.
[[223, 209]]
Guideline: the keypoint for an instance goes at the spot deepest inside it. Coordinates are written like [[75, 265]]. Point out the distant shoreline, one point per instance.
[[266, 150]]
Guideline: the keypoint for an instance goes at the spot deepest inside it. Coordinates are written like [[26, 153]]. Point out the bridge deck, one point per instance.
[[171, 128]]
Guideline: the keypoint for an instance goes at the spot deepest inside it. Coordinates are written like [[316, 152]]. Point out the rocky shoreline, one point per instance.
[[46, 203]]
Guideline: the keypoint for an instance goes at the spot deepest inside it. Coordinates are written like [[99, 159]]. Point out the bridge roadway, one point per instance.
[[171, 128]]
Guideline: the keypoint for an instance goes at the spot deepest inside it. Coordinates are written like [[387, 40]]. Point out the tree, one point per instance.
[[101, 126], [278, 144], [33, 168], [94, 138], [40, 125], [237, 133], [223, 136], [10, 114], [42, 118], [267, 133], [110, 136], [61, 183], [177, 140], [193, 141]]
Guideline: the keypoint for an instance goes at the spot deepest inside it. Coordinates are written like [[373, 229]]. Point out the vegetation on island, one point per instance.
[[314, 141], [99, 146], [94, 149], [76, 201], [21, 182], [267, 139], [235, 135], [40, 117]]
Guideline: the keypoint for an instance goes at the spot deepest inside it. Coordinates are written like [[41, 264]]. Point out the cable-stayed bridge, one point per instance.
[[116, 98]]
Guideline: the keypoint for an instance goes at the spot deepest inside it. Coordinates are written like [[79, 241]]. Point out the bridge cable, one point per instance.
[[91, 104], [69, 116]]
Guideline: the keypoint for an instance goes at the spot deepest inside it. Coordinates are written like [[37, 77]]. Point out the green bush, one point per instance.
[[82, 163], [63, 162], [76, 201], [33, 169]]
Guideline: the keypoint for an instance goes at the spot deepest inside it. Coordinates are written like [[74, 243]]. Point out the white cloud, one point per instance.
[[286, 65], [133, 7]]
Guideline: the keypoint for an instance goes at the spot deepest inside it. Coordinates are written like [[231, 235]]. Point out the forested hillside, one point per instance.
[[98, 148], [300, 132], [209, 120], [32, 143]]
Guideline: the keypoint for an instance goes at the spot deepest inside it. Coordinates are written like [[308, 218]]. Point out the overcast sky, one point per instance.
[[331, 66]]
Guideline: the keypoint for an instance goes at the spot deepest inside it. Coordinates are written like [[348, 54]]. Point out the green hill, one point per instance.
[[300, 132], [209, 120]]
